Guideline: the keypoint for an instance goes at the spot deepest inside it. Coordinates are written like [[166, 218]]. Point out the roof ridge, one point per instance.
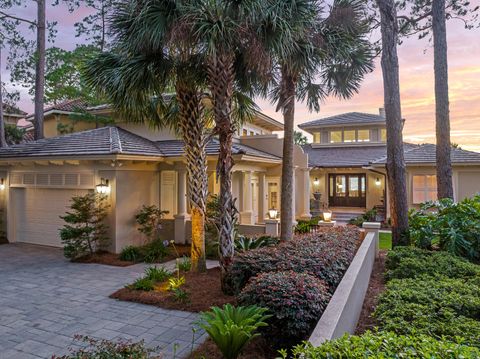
[[115, 143]]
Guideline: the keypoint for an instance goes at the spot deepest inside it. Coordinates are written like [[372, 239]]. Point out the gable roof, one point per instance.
[[69, 106], [344, 119], [112, 140]]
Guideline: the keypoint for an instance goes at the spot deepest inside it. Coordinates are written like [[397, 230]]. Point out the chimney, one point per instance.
[[381, 111]]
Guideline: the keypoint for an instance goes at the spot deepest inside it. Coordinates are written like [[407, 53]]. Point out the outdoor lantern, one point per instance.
[[327, 216], [103, 187], [2, 184], [316, 181], [378, 182], [272, 213]]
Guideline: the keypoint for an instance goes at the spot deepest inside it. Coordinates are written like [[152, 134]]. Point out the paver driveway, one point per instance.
[[46, 300]]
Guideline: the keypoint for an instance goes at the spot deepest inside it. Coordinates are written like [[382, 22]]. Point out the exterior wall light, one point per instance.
[[2, 184], [316, 181], [378, 182], [272, 213], [103, 187]]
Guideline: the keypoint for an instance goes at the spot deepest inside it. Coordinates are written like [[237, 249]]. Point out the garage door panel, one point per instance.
[[38, 211]]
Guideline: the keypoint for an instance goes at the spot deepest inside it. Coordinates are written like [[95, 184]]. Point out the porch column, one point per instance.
[[182, 216], [262, 197], [246, 213], [305, 207]]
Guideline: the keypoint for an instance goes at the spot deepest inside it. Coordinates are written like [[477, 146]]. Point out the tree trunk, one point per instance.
[[3, 141], [221, 79], [442, 111], [40, 70], [194, 137], [396, 172], [287, 205]]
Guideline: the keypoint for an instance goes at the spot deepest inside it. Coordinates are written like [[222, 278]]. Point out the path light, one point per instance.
[[2, 184], [316, 181], [103, 187], [378, 182], [272, 213], [327, 216]]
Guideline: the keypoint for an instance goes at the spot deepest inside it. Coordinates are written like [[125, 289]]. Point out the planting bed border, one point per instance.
[[343, 311]]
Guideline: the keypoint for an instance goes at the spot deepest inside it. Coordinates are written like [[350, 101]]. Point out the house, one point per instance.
[[140, 166], [11, 114], [347, 161]]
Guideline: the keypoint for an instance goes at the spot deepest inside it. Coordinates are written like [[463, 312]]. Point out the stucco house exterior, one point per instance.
[[347, 162], [11, 115], [344, 166], [143, 167]]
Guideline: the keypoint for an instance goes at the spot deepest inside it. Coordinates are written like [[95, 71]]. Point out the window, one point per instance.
[[244, 132], [363, 136], [383, 135], [252, 133], [335, 136], [349, 136], [316, 137], [424, 188]]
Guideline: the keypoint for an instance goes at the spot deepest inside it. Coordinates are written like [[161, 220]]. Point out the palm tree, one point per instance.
[[330, 57], [134, 78]]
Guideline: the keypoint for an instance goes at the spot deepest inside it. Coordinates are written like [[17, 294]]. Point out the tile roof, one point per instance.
[[110, 141], [359, 156], [65, 106], [12, 110], [350, 118]]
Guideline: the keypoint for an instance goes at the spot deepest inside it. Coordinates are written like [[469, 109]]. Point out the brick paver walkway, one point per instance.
[[45, 300]]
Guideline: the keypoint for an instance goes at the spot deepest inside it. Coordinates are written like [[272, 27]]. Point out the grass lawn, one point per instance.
[[385, 241]]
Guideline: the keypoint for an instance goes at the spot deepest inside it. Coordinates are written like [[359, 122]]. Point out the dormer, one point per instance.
[[348, 129]]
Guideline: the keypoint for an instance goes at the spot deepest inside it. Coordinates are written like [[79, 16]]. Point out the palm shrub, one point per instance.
[[85, 231], [384, 345], [231, 328], [244, 243], [295, 300], [454, 227]]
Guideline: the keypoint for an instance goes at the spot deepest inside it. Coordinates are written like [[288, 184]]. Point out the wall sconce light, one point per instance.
[[2, 184], [103, 187], [378, 182], [316, 181], [272, 213]]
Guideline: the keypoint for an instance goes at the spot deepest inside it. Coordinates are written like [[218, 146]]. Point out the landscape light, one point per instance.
[[272, 213]]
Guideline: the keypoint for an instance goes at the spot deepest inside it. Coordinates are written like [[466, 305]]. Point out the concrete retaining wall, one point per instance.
[[343, 311]]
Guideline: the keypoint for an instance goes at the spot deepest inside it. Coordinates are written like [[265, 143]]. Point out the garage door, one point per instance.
[[37, 212]]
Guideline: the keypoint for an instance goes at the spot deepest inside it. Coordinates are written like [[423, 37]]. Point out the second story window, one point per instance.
[[336, 137], [383, 135], [363, 136], [316, 137], [349, 136]]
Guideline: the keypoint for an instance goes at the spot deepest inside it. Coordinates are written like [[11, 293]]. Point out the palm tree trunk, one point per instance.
[[3, 141], [221, 78], [444, 164], [193, 133], [287, 205], [396, 172], [40, 70]]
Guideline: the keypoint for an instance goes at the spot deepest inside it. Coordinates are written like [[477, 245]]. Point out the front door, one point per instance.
[[347, 190]]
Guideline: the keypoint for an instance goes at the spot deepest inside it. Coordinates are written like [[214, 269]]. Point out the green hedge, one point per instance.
[[383, 345]]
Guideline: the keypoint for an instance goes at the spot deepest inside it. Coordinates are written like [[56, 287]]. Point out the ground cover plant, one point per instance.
[[452, 226]]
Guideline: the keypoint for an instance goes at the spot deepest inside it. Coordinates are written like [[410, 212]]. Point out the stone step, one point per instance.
[[344, 216]]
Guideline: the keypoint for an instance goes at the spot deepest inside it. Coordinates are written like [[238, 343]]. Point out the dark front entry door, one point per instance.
[[347, 190]]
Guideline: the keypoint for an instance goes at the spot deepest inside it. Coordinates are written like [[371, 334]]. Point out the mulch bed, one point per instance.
[[258, 348], [375, 287], [203, 288]]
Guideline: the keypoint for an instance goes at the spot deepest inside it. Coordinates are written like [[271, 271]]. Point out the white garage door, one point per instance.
[[37, 212]]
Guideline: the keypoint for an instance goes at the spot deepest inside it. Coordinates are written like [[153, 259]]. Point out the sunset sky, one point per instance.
[[416, 79]]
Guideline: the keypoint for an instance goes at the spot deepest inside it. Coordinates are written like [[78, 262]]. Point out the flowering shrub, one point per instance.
[[295, 300], [325, 254]]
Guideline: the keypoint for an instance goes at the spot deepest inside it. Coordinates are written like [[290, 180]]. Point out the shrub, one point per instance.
[[97, 349], [175, 283], [455, 227], [143, 283], [409, 262], [157, 274], [84, 231], [384, 345], [148, 220], [181, 295], [154, 251], [325, 254], [368, 216], [232, 328], [243, 243], [184, 264], [295, 300], [438, 306], [304, 226], [131, 254]]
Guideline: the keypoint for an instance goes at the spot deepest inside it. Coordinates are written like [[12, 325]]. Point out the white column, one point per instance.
[[305, 203], [262, 197], [246, 213], [182, 216]]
